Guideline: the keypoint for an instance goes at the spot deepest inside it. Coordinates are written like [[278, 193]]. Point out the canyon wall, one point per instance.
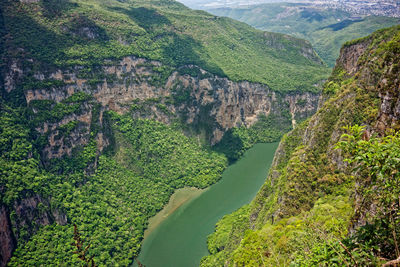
[[203, 98]]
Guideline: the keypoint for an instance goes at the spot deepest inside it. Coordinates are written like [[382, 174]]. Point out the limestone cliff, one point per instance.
[[7, 240], [201, 99]]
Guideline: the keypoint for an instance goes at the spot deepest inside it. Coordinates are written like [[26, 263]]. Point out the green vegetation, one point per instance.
[[315, 193], [266, 130], [50, 111], [326, 29], [111, 194], [150, 161], [67, 34], [270, 245], [229, 231], [166, 154], [19, 161], [376, 160]]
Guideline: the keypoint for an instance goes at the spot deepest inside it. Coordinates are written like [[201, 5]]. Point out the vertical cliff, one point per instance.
[[204, 101], [311, 197], [7, 240]]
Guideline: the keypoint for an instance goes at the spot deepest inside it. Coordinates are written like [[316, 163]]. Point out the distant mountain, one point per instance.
[[361, 7], [326, 28], [202, 4]]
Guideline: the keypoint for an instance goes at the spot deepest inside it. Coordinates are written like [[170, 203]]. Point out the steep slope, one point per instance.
[[107, 107], [313, 209], [327, 29], [86, 33]]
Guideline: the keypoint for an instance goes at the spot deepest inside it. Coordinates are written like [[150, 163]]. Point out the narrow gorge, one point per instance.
[[109, 107]]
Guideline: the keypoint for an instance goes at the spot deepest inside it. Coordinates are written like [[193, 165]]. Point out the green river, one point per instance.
[[177, 237]]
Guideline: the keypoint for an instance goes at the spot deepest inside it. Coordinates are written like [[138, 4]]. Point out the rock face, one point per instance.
[[28, 215], [232, 104], [199, 99], [386, 81], [349, 56], [7, 240], [31, 213], [389, 92]]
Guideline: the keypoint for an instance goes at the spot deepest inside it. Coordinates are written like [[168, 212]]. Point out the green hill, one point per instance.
[[326, 29], [85, 33]]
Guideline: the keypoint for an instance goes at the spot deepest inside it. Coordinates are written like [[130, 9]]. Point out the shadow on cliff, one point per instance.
[[146, 18], [2, 48], [231, 145], [55, 8]]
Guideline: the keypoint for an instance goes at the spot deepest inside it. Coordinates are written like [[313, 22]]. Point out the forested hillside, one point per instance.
[[331, 197], [65, 34], [327, 29], [109, 106]]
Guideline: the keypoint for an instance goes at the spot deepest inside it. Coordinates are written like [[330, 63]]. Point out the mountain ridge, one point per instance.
[[327, 28]]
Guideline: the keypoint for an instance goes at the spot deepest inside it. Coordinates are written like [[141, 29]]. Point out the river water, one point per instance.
[[180, 238]]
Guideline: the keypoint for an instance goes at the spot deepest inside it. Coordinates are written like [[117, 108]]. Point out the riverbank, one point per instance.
[[180, 197], [180, 237]]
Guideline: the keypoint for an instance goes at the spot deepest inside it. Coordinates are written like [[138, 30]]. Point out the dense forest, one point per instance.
[[85, 33], [111, 206]]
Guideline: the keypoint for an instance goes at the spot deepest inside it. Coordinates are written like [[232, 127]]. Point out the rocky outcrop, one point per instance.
[[27, 216], [379, 74], [7, 240], [232, 104], [389, 92], [33, 212], [13, 75], [389, 116], [349, 55]]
